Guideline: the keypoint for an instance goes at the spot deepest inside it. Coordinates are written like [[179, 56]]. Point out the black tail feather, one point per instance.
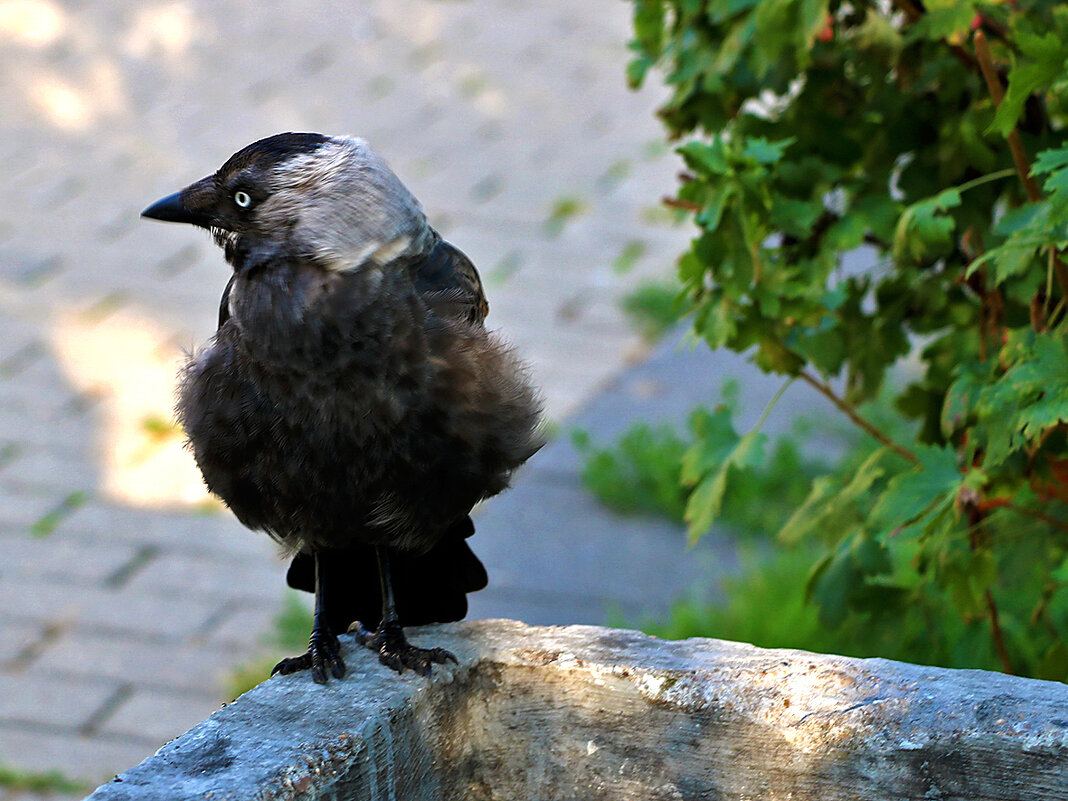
[[428, 588]]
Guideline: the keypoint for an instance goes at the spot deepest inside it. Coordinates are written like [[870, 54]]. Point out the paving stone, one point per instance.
[[186, 665], [162, 618], [18, 795], [551, 536], [213, 531], [50, 474], [15, 637], [200, 577], [63, 434], [155, 717], [52, 557], [89, 759], [246, 626], [20, 511], [35, 700]]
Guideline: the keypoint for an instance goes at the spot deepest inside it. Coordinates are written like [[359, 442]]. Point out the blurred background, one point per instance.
[[129, 598]]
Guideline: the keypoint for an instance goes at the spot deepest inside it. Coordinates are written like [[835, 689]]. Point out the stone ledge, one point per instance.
[[581, 712]]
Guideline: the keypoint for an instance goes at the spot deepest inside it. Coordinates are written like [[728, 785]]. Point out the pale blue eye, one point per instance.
[[243, 199]]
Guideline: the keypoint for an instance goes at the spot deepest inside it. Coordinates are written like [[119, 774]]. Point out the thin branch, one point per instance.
[[824, 389], [676, 203], [995, 632], [1051, 521], [1059, 270], [1038, 614], [997, 94], [978, 537], [872, 239], [771, 404]]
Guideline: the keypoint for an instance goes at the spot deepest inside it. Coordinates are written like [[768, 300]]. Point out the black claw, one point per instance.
[[292, 664], [323, 654], [395, 652]]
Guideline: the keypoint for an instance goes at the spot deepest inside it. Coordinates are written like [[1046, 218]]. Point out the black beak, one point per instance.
[[172, 209]]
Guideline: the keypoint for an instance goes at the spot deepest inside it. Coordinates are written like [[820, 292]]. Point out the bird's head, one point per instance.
[[330, 200]]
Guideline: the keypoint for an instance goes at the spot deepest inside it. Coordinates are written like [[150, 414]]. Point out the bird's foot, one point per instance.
[[323, 654], [396, 652]]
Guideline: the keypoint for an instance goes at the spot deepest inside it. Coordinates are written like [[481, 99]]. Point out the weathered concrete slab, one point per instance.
[[591, 713]]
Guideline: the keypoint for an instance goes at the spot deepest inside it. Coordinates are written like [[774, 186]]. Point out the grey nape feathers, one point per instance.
[[351, 403]]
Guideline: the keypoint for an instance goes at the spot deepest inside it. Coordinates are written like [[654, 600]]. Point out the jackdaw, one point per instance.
[[351, 403]]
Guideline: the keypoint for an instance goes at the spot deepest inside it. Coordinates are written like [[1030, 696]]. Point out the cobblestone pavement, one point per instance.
[[125, 593]]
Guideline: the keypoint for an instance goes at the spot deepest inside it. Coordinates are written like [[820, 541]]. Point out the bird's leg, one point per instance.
[[323, 648], [389, 641]]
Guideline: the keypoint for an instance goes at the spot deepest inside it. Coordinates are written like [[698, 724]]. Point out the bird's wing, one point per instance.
[[450, 284], [224, 304], [446, 279]]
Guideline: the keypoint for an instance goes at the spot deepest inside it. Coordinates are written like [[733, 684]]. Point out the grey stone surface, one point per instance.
[[583, 712]]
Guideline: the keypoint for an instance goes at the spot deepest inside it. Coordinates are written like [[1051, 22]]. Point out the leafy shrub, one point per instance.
[[640, 474], [643, 472], [653, 308], [767, 606], [17, 780], [934, 135]]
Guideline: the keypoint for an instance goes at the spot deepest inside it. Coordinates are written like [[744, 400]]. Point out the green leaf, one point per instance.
[[944, 21], [1043, 60], [1011, 260], [968, 579], [923, 228], [714, 440], [773, 357], [1027, 399], [649, 25], [878, 34], [909, 494], [838, 585], [706, 159], [716, 452], [762, 151], [874, 214], [794, 217], [1049, 161], [962, 397], [637, 68], [1050, 410], [822, 346], [1015, 220], [705, 504], [1054, 664], [718, 323], [832, 587], [828, 505], [880, 212], [716, 200]]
